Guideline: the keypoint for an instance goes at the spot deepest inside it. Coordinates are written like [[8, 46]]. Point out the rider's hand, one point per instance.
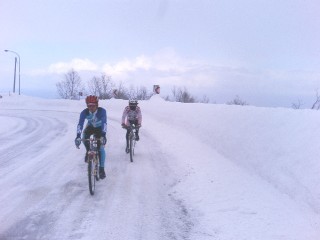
[[103, 140], [77, 142], [123, 125]]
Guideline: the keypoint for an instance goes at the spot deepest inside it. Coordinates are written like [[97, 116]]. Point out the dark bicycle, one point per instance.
[[132, 139], [93, 160]]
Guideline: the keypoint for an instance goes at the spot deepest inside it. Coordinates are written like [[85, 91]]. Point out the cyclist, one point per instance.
[[131, 115], [96, 124]]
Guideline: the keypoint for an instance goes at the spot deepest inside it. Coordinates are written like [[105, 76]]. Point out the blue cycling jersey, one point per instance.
[[98, 119]]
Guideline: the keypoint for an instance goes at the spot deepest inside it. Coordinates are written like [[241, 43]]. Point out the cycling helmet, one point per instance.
[[133, 102], [92, 100]]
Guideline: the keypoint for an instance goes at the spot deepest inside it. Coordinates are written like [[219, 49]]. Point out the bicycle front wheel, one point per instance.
[[96, 167], [131, 148], [91, 176]]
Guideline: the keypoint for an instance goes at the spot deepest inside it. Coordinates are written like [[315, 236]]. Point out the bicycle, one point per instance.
[[132, 139], [93, 160]]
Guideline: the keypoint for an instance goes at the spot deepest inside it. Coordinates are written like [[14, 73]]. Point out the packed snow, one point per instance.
[[200, 172]]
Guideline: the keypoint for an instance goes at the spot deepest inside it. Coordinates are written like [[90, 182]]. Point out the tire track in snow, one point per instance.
[[134, 202]]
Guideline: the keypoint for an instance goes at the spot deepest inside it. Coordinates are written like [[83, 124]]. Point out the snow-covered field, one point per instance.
[[201, 171]]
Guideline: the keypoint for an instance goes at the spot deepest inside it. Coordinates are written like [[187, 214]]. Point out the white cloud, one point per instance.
[[168, 68], [164, 61], [220, 82], [169, 61], [76, 64], [63, 67], [165, 66], [126, 66]]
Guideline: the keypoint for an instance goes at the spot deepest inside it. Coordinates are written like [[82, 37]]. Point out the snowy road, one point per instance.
[[46, 186], [202, 176]]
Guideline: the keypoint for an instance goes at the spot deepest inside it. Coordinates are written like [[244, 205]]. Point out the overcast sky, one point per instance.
[[265, 51]]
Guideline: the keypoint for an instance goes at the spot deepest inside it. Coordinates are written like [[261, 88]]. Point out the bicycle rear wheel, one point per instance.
[[91, 176]]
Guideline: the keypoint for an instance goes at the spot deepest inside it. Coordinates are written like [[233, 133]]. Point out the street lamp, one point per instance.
[[19, 64]]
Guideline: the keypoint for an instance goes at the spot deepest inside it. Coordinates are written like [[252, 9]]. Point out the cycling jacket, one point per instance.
[[131, 115], [98, 119]]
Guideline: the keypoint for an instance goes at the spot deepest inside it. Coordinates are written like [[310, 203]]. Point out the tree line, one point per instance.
[[72, 86]]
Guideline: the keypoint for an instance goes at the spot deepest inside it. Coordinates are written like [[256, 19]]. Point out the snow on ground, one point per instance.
[[201, 171]]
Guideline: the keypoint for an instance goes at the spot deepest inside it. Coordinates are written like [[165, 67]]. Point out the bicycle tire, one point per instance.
[[133, 145], [130, 146], [97, 169], [91, 177]]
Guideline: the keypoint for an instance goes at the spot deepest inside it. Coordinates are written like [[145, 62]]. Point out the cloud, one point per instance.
[[63, 67], [126, 66], [164, 61], [76, 64], [166, 66]]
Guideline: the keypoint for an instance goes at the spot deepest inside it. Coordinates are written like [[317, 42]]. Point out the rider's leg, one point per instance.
[[86, 135], [137, 134], [127, 141], [137, 130], [102, 154]]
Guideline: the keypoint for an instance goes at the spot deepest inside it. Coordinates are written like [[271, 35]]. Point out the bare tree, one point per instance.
[[101, 87], [237, 101], [122, 92], [131, 93], [316, 104], [182, 95], [107, 86], [94, 86], [205, 99], [186, 97], [71, 86], [297, 105], [142, 93]]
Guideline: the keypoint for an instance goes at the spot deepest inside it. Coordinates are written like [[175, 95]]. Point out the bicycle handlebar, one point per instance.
[[89, 140], [131, 126]]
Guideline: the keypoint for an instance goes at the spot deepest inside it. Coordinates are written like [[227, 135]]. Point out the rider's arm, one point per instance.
[[103, 121], [81, 122], [139, 115], [124, 115]]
